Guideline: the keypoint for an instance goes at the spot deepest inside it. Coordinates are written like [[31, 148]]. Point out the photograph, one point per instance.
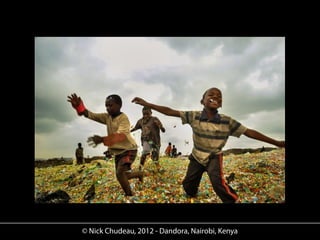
[[159, 120], [162, 136]]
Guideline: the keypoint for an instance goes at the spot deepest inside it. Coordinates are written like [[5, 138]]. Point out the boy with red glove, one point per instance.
[[119, 140]]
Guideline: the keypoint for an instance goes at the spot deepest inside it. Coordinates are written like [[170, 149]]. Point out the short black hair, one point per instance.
[[145, 108], [116, 98], [204, 94]]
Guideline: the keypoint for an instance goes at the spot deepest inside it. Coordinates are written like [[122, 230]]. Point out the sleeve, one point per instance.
[[158, 120], [98, 117], [124, 125], [186, 116], [236, 128]]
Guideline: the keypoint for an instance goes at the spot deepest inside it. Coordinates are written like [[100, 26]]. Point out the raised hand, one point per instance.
[[140, 101], [74, 100], [77, 103]]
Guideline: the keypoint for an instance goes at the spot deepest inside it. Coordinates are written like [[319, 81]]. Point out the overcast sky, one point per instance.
[[170, 71]]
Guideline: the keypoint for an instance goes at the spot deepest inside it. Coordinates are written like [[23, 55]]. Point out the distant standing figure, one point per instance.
[[168, 150], [174, 151], [79, 154]]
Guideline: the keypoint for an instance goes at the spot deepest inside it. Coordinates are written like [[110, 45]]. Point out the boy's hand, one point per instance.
[[94, 140], [140, 101], [76, 103], [281, 144], [108, 140]]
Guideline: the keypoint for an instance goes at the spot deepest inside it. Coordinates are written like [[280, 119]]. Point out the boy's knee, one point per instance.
[[120, 172]]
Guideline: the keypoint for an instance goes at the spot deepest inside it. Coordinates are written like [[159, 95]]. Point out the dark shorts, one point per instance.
[[126, 158]]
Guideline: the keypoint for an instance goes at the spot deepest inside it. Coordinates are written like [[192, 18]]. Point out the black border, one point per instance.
[[18, 197]]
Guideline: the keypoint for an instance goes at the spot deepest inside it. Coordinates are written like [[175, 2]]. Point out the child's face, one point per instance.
[[112, 107], [146, 114], [212, 98]]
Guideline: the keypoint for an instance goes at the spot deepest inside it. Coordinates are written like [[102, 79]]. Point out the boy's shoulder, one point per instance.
[[224, 115], [192, 111], [122, 114], [154, 118]]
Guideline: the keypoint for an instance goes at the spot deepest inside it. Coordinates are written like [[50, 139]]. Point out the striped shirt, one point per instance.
[[210, 135], [119, 124]]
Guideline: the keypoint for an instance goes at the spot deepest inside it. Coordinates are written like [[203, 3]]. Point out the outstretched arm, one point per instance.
[[136, 127], [159, 124], [261, 137], [107, 140], [162, 109]]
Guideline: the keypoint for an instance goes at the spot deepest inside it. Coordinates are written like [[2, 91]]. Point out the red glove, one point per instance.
[[80, 108], [77, 103]]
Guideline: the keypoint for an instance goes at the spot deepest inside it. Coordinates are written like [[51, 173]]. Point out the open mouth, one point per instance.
[[213, 101]]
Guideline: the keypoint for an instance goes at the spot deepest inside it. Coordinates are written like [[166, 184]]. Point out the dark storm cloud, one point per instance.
[[50, 113]]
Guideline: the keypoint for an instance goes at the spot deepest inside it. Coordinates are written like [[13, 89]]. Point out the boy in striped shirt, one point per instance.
[[210, 133]]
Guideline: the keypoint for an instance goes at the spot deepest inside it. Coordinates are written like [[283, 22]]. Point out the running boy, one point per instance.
[[150, 136], [210, 133], [119, 140]]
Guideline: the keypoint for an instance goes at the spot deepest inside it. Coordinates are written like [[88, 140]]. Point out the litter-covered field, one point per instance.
[[256, 177]]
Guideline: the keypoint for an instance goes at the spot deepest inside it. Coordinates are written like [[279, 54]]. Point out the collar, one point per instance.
[[204, 117], [116, 115]]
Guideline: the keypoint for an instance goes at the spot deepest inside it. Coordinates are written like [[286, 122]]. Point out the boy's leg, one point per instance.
[[136, 174], [222, 189], [121, 173], [193, 177], [155, 156], [142, 160], [146, 149], [123, 170]]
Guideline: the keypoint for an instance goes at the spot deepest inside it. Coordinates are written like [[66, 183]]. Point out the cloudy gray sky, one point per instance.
[[171, 71]]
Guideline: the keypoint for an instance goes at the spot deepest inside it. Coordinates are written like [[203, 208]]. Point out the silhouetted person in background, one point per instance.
[[168, 150], [174, 151], [79, 154]]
